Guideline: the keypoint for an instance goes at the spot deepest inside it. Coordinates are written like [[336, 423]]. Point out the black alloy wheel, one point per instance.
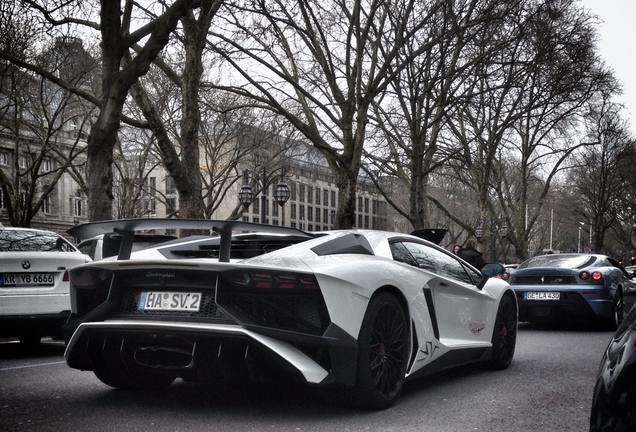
[[618, 309], [383, 349], [504, 337]]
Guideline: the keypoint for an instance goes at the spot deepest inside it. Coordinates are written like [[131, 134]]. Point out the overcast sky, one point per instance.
[[617, 33]]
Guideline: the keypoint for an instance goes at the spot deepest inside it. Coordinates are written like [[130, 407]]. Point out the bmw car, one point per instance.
[[107, 245], [360, 311], [614, 399], [581, 287], [34, 283]]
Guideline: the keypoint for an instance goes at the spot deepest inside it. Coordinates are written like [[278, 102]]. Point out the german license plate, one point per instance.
[[543, 296], [169, 301], [26, 279]]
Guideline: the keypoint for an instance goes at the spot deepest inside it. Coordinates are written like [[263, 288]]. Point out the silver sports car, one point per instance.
[[358, 310]]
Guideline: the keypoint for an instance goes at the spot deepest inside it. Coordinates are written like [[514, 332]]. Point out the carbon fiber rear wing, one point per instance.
[[224, 228]]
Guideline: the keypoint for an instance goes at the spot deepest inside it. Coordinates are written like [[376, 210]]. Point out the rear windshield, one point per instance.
[[32, 241], [559, 260]]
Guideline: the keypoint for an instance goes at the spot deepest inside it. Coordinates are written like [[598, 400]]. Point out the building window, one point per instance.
[[46, 205], [318, 196], [170, 187], [317, 214], [301, 212], [78, 207], [22, 162], [152, 185], [310, 213], [310, 194], [325, 196], [333, 198], [275, 210], [46, 165], [171, 205], [4, 158], [359, 204], [293, 211], [301, 192], [292, 191]]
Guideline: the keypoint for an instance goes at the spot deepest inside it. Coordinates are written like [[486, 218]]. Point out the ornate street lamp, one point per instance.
[[498, 228], [281, 192]]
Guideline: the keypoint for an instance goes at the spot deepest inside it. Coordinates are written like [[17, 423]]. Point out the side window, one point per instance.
[[401, 254], [88, 248], [439, 262]]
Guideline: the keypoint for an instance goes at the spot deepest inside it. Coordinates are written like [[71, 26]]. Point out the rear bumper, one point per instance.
[[33, 324], [591, 303], [206, 352], [31, 304]]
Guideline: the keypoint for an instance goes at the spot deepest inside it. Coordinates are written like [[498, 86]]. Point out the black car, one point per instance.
[[614, 401]]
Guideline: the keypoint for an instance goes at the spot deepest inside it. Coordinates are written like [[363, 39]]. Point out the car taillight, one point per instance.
[[66, 277], [90, 278], [505, 276], [595, 275], [267, 279]]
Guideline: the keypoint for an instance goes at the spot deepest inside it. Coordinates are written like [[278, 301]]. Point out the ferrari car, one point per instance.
[[357, 310], [583, 287], [614, 399], [34, 286]]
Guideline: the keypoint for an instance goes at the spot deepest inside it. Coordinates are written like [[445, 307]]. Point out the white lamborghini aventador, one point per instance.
[[358, 310]]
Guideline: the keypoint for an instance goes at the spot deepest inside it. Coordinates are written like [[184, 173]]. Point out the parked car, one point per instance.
[[34, 284], [578, 286], [614, 399], [357, 310], [106, 245]]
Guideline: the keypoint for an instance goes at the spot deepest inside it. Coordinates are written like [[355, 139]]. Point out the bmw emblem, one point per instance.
[[26, 265]]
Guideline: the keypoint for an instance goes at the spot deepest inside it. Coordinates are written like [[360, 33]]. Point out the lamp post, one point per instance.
[[495, 231], [281, 193]]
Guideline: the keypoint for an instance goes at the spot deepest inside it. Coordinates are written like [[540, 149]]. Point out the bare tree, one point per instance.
[[527, 105], [410, 142], [320, 65], [121, 67], [604, 174], [185, 75], [41, 125]]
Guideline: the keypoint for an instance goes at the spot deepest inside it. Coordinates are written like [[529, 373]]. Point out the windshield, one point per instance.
[[32, 241], [571, 261]]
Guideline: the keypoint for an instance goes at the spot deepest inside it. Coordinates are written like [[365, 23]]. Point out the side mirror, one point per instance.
[[493, 269]]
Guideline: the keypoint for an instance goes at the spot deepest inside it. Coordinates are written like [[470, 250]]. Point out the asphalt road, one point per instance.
[[547, 388]]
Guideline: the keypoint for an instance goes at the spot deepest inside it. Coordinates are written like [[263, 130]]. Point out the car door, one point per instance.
[[460, 309]]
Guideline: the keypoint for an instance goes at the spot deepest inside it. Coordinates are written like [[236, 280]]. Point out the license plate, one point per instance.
[[169, 301], [26, 279], [543, 296]]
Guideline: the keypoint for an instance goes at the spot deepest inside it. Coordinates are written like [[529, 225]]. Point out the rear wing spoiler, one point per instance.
[[224, 228]]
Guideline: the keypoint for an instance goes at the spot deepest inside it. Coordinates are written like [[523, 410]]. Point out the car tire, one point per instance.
[[383, 349], [618, 309], [504, 336], [124, 380]]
